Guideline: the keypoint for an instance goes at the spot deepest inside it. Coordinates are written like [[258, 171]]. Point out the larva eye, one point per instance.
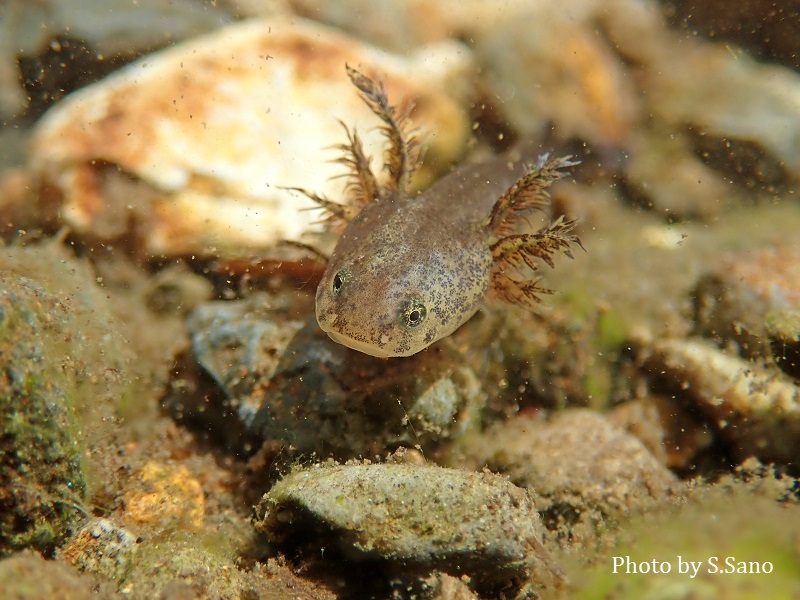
[[414, 313], [338, 282]]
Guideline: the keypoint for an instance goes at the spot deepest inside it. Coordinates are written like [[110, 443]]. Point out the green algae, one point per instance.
[[64, 366], [733, 534], [41, 475]]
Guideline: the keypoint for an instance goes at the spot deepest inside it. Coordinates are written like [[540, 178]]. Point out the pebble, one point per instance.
[[101, 547], [416, 518]]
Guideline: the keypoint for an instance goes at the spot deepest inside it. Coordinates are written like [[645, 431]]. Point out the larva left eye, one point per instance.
[[338, 282]]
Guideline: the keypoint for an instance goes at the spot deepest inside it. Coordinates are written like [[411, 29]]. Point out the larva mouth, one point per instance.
[[359, 345]]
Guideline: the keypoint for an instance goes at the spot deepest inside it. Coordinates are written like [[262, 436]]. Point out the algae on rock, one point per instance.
[[63, 374]]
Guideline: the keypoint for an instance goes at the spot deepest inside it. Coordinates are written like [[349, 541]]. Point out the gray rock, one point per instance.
[[416, 518], [285, 380]]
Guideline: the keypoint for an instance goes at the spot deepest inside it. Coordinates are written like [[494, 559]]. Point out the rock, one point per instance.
[[766, 30], [42, 482], [54, 46], [580, 466], [166, 495], [642, 419], [729, 368], [28, 576], [688, 189], [416, 518], [754, 408], [285, 380], [103, 548], [176, 290], [548, 67], [614, 75], [783, 331], [731, 98], [188, 149], [672, 431], [67, 372], [731, 303], [403, 26], [716, 528], [448, 587]]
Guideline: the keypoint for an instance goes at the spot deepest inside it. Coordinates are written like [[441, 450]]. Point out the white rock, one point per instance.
[[214, 126]]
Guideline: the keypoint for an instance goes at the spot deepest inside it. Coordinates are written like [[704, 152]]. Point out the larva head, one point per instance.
[[392, 297]]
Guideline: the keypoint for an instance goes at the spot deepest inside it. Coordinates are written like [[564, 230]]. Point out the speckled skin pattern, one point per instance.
[[400, 253], [409, 270]]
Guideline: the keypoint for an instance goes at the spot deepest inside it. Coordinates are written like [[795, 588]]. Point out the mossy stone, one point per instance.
[[41, 477]]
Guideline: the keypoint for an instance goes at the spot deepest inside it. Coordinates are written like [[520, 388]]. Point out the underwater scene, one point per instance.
[[435, 300]]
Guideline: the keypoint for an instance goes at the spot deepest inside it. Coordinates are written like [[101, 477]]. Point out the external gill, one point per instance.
[[403, 153], [362, 187], [515, 252], [529, 193], [401, 156], [337, 215]]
